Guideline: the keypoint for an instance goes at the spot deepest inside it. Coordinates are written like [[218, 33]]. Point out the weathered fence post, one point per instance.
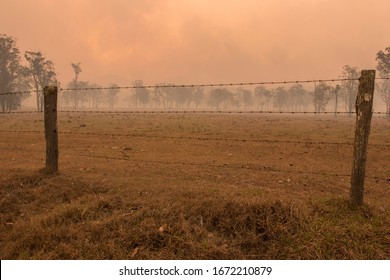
[[364, 102], [51, 133]]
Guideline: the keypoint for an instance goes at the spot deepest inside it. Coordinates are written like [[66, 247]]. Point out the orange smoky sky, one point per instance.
[[196, 41]]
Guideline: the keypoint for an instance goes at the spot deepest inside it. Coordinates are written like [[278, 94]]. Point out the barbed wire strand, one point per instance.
[[198, 85], [190, 112], [248, 140], [189, 85], [210, 112], [19, 92], [238, 166], [211, 84], [234, 166]]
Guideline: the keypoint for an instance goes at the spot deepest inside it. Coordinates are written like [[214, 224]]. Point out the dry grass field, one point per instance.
[[192, 186]]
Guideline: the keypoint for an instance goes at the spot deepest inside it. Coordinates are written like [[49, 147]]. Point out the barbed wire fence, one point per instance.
[[187, 85], [199, 85], [197, 112], [123, 156], [209, 85], [206, 139], [211, 112]]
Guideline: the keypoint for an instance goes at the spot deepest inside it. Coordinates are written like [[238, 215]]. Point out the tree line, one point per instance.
[[36, 72]]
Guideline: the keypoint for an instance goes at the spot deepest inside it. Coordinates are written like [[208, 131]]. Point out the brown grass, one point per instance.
[[122, 197]]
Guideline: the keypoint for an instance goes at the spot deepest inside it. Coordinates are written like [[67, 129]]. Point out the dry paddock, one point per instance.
[[192, 186]]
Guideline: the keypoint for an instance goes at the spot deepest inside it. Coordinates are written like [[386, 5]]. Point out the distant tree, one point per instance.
[[22, 84], [349, 87], [112, 95], [220, 97], [82, 98], [263, 97], [163, 94], [9, 72], [281, 98], [171, 96], [96, 95], [307, 100], [189, 96], [246, 96], [198, 96], [67, 96], [383, 67], [297, 95], [336, 92], [140, 93], [321, 97], [181, 96], [77, 70], [158, 96], [42, 74]]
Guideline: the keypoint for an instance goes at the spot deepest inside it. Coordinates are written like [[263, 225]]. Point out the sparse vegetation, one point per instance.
[[149, 197]]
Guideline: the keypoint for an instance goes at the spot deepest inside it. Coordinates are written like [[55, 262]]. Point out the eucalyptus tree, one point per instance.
[[220, 97], [140, 93], [263, 97], [112, 95], [9, 71], [198, 96], [246, 97], [321, 97], [96, 96], [383, 67], [336, 92], [349, 87], [297, 95], [281, 98], [77, 70], [42, 73]]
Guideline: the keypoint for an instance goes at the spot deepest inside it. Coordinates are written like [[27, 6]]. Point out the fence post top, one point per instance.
[[367, 72], [50, 88]]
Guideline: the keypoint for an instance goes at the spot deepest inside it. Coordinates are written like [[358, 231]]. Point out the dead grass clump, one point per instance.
[[252, 227], [39, 212], [336, 231], [62, 217], [215, 230]]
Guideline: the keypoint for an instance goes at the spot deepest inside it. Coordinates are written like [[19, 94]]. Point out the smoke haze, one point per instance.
[[200, 41]]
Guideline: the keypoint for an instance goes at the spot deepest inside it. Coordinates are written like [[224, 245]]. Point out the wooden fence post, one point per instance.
[[364, 102], [51, 133]]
